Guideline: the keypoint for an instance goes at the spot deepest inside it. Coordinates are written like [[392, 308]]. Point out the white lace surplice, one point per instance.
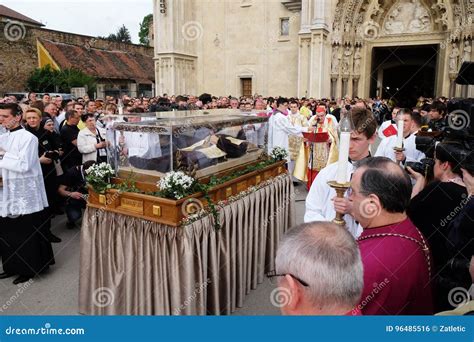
[[23, 190]]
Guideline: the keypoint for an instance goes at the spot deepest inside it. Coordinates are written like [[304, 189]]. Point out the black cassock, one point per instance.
[[24, 247]]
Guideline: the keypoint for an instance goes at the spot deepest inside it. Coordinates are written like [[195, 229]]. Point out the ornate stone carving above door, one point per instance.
[[408, 16]]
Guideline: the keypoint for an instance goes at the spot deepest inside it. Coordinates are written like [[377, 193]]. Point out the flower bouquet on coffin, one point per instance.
[[278, 154], [98, 176], [176, 185]]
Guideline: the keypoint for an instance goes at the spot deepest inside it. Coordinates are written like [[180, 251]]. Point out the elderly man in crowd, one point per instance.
[[394, 252], [51, 110], [320, 270]]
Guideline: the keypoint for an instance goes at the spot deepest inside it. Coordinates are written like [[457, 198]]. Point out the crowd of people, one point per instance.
[[413, 226], [407, 238]]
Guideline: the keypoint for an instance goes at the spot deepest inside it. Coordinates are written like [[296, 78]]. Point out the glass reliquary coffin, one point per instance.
[[200, 143]]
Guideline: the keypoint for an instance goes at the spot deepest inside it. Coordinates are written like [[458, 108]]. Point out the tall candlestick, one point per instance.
[[120, 107], [399, 143], [343, 162]]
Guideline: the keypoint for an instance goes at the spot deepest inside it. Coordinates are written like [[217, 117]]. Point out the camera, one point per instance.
[[456, 130], [424, 166], [52, 155]]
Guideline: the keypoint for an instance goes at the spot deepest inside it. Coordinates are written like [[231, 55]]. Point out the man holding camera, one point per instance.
[[433, 205], [73, 188]]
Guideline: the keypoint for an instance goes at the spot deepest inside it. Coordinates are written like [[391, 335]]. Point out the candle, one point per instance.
[[343, 162], [120, 107], [399, 143]]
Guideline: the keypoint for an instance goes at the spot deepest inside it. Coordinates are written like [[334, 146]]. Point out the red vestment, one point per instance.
[[396, 271]]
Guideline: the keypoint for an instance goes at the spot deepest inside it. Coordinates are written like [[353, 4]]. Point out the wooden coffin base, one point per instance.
[[172, 212]]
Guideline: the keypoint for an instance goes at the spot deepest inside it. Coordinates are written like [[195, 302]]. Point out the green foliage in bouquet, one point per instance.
[[98, 177]]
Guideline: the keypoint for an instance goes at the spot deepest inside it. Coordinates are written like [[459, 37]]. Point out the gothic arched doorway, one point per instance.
[[404, 73]]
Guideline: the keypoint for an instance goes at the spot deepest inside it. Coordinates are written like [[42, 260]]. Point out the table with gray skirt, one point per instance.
[[130, 266]]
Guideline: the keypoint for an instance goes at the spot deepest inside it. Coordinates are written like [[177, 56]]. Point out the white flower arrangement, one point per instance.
[[176, 184], [98, 176], [279, 153], [101, 170]]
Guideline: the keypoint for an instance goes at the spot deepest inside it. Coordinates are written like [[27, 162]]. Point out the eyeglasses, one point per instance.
[[273, 274]]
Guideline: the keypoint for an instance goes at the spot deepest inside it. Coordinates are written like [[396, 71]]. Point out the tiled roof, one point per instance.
[[102, 63], [9, 13]]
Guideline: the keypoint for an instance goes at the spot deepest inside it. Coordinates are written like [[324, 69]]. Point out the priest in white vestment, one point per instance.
[[279, 128], [25, 251]]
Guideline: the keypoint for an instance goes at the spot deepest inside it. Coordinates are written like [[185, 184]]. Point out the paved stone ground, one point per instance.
[[56, 292]]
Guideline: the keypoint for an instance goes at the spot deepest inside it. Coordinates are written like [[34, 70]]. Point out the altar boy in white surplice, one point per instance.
[[24, 248], [280, 127]]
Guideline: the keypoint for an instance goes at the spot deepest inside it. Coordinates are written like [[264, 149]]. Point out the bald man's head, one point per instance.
[[387, 180]]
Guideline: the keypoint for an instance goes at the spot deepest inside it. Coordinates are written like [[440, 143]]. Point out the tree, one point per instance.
[[43, 79], [145, 30], [47, 79], [122, 35]]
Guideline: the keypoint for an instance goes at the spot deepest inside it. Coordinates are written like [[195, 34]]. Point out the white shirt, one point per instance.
[[61, 117], [142, 145], [251, 133], [386, 146], [23, 189], [279, 127], [86, 141], [319, 205]]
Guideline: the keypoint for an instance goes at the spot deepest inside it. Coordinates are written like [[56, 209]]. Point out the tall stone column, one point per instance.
[[176, 35], [320, 81], [334, 86], [452, 85], [304, 63], [345, 86], [355, 86], [306, 15]]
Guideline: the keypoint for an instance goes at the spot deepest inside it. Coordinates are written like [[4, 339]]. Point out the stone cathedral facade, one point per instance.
[[312, 48]]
